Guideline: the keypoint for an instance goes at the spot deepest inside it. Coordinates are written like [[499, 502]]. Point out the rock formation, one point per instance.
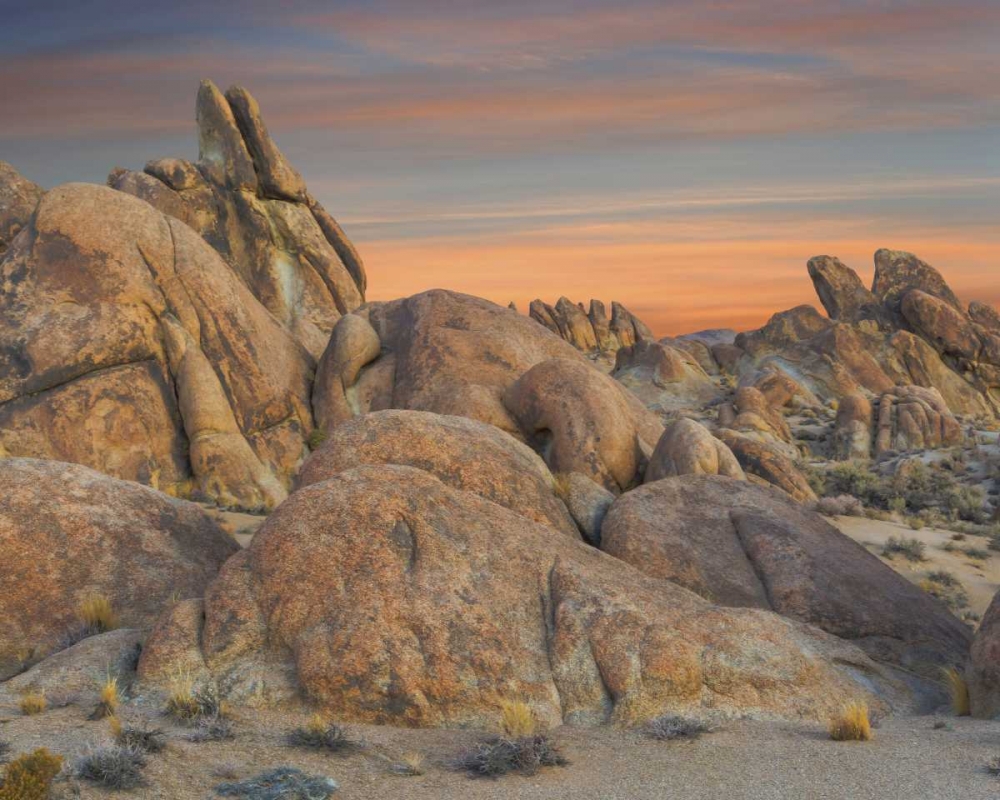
[[67, 532], [665, 378], [591, 330], [18, 198], [983, 673], [743, 545], [128, 345], [463, 453], [687, 448], [385, 596], [245, 199]]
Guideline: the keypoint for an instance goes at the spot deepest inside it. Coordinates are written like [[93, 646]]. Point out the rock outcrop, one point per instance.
[[463, 453], [852, 430], [591, 330], [128, 345], [743, 545], [453, 354], [18, 198], [983, 673], [914, 418], [384, 596], [666, 379], [688, 448], [245, 199], [764, 463], [67, 532]]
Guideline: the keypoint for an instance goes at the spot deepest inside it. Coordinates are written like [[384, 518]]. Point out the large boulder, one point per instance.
[[591, 330], [252, 206], [463, 453], [688, 448], [852, 429], [67, 532], [743, 545], [914, 418], [128, 345], [753, 415], [841, 292], [983, 673], [583, 421], [18, 198], [764, 463], [897, 272], [384, 596], [664, 378]]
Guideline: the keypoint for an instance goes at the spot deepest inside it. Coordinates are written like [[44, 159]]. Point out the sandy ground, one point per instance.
[[909, 759], [981, 579]]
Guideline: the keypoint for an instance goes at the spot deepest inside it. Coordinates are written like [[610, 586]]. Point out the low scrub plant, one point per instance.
[[315, 438], [112, 766], [320, 733], [410, 764], [30, 777], [517, 719], [109, 699], [212, 729], [946, 588], [911, 549], [5, 748], [843, 505], [958, 689], [500, 755], [186, 703], [137, 735], [851, 724], [283, 783], [668, 728], [32, 703]]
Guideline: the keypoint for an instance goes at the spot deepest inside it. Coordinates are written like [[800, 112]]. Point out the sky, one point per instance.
[[685, 158]]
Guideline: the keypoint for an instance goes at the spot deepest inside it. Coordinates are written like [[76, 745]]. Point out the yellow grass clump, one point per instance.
[[851, 724], [107, 704], [33, 703], [517, 719], [959, 691], [97, 613], [30, 776], [412, 763], [181, 702]]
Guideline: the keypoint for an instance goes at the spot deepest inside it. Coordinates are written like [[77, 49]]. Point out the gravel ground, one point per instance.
[[908, 759]]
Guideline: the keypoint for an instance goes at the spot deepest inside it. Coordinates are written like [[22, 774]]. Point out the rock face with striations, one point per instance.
[[129, 345], [385, 596], [67, 532], [744, 545], [245, 199], [18, 198]]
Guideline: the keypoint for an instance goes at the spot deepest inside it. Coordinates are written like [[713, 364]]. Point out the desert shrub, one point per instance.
[[911, 549], [410, 764], [668, 728], [957, 537], [109, 699], [500, 755], [851, 724], [32, 703], [212, 729], [976, 553], [137, 735], [916, 523], [29, 777], [315, 438], [5, 748], [322, 734], [946, 588], [517, 719], [993, 768], [283, 783], [958, 689], [855, 479], [185, 703], [843, 505], [112, 766]]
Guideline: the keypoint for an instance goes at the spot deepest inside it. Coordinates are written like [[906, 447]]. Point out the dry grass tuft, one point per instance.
[[517, 719], [315, 438], [668, 728], [33, 703], [30, 776], [109, 700], [959, 691], [96, 612], [187, 704], [500, 755], [321, 733], [852, 724], [112, 766], [137, 735], [410, 764]]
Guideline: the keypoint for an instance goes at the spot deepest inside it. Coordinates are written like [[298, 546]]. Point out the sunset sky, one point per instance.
[[685, 158]]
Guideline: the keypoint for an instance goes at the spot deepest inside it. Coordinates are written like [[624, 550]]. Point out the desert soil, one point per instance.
[[908, 759]]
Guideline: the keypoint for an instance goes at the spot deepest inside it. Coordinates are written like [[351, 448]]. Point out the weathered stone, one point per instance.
[[687, 448], [897, 272], [174, 645], [841, 292], [914, 418], [384, 596], [664, 378], [744, 545], [128, 345], [983, 673], [760, 460], [852, 430], [353, 345], [463, 453], [67, 532], [575, 326], [582, 421], [18, 198], [587, 503]]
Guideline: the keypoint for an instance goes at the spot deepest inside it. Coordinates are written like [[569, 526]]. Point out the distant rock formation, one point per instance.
[[590, 330], [253, 207]]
